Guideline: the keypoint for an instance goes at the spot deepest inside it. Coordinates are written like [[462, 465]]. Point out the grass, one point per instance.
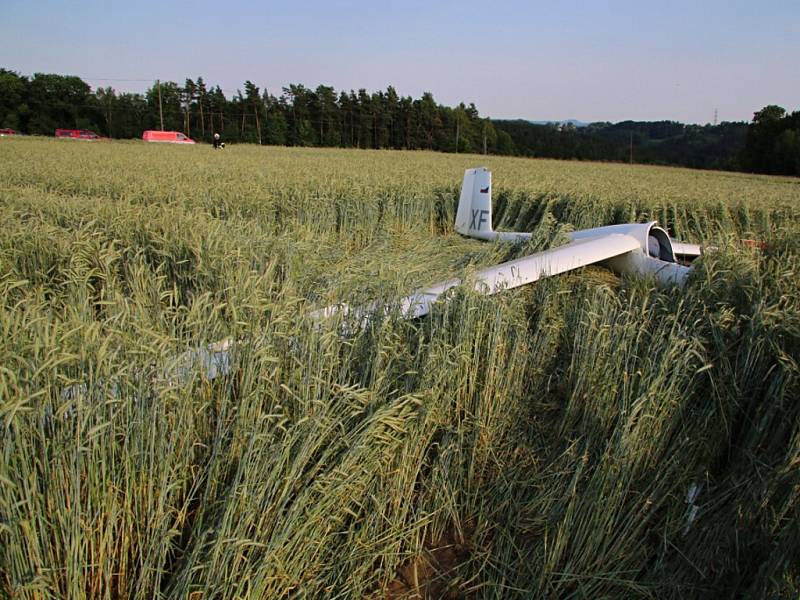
[[536, 443]]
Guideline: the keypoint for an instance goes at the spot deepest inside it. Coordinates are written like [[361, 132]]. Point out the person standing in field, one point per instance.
[[217, 142]]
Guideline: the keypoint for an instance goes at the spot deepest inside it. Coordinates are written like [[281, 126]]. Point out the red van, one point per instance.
[[170, 137], [6, 131], [77, 134]]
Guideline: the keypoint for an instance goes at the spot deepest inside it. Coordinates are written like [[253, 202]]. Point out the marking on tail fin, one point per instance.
[[480, 219]]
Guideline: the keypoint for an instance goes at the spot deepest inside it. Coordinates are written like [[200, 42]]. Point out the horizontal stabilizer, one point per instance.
[[685, 250]]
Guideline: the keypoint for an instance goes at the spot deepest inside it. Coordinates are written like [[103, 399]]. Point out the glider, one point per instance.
[[643, 249]]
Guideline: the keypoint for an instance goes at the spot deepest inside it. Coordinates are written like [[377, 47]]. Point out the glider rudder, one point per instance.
[[474, 215]]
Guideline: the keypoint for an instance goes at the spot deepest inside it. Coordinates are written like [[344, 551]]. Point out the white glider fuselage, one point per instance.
[[642, 249], [629, 249]]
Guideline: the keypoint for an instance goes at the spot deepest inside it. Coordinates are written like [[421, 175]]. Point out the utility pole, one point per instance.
[[458, 130], [202, 119], [266, 111], [715, 117], [160, 111], [186, 112], [258, 125], [630, 159]]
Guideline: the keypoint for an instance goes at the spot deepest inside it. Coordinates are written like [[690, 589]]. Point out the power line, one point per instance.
[[180, 111], [210, 87], [116, 79], [153, 81]]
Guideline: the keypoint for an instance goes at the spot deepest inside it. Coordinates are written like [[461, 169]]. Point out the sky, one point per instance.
[[593, 61]]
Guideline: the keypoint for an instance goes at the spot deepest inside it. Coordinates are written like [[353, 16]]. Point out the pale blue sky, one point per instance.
[[614, 60]]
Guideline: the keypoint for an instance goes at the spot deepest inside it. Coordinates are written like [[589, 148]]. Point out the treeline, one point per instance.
[[773, 142], [299, 117], [660, 142], [322, 116], [770, 144]]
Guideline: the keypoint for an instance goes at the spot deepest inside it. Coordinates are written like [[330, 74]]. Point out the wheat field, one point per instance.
[[588, 436]]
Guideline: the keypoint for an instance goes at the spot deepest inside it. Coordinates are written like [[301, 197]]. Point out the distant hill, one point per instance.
[[574, 122], [655, 142]]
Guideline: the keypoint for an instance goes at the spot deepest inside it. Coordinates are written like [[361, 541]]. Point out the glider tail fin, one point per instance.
[[474, 215]]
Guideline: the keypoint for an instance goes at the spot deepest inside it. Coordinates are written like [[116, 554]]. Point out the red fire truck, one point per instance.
[[77, 134]]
